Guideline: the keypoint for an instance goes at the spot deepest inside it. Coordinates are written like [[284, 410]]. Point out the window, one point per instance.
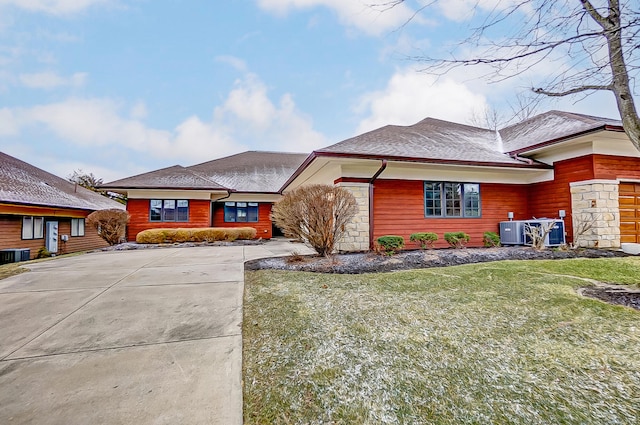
[[448, 199], [169, 210], [237, 212], [77, 227], [32, 227]]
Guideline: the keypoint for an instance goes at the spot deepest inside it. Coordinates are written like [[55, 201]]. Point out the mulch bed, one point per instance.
[[356, 263], [369, 262]]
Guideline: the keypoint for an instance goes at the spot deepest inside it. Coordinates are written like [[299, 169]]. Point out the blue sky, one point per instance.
[[122, 87]]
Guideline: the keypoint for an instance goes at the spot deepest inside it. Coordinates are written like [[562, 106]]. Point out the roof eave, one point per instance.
[[604, 127], [432, 160]]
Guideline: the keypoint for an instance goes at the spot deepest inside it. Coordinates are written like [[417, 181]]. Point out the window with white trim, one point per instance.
[[450, 199], [240, 212], [77, 227], [32, 227]]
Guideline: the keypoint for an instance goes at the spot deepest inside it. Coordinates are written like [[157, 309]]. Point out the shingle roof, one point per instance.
[[175, 177], [549, 126], [252, 171], [430, 139], [22, 183]]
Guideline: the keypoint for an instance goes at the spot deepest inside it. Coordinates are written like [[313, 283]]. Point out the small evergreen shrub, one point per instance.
[[491, 239], [208, 234], [425, 239], [457, 239], [43, 253], [390, 243]]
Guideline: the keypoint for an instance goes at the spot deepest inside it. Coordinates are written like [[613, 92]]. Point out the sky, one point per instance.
[[121, 87]]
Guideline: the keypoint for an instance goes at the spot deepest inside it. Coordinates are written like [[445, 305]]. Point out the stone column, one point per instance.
[[595, 203], [356, 237]]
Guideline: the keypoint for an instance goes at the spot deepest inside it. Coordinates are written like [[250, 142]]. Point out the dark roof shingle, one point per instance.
[[429, 139], [23, 183], [549, 126], [175, 177], [252, 171]]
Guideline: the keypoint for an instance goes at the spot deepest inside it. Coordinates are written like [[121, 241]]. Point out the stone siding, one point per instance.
[[356, 237], [595, 204]]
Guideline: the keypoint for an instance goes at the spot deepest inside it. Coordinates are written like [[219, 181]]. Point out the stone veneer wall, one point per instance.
[[596, 201], [356, 237]]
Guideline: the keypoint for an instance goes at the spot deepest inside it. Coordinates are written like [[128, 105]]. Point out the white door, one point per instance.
[[52, 237]]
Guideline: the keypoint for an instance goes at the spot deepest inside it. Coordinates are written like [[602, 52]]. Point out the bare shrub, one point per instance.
[[536, 235], [317, 214], [582, 225], [110, 224]]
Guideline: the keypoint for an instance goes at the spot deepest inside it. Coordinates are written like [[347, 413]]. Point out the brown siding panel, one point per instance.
[[399, 210], [11, 233]]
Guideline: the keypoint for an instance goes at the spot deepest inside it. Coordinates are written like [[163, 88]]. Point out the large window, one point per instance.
[[32, 227], [236, 212], [169, 210], [446, 199], [77, 227]]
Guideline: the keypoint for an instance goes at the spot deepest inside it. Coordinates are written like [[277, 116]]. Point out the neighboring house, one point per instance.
[[440, 177], [39, 209], [235, 191]]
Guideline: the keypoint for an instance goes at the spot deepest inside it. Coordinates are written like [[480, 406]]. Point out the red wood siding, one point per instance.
[[548, 198], [11, 235], [398, 209], [263, 226], [616, 167], [199, 216]]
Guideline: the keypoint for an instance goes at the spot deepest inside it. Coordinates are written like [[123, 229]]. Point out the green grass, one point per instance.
[[505, 342]]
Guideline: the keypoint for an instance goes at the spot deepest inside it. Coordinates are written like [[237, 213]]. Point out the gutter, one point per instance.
[[383, 166], [229, 192], [522, 159]]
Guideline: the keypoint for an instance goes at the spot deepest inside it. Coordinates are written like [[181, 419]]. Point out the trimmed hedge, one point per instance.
[[201, 234], [456, 239], [491, 239], [425, 239], [390, 243]]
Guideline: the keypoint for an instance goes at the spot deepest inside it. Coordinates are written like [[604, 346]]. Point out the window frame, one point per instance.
[[160, 209], [79, 229], [32, 235], [245, 211], [468, 200]]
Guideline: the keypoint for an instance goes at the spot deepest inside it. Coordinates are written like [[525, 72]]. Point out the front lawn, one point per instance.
[[505, 342]]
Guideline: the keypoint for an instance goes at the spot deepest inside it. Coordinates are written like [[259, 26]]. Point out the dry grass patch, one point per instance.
[[505, 342], [11, 269]]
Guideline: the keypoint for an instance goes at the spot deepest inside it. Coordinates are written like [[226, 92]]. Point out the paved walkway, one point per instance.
[[149, 336]]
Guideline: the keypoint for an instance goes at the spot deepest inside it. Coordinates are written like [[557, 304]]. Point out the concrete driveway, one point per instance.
[[150, 336]]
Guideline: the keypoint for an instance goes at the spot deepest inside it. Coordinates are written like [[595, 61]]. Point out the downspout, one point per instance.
[[519, 158], [229, 192], [373, 179]]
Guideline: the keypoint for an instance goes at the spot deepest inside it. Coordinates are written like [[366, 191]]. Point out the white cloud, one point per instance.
[[51, 80], [247, 118], [411, 96], [354, 13], [235, 62], [462, 10], [54, 7]]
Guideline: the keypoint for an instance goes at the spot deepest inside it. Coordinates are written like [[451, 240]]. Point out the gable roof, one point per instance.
[[251, 171], [551, 127], [175, 177], [430, 140], [23, 183]]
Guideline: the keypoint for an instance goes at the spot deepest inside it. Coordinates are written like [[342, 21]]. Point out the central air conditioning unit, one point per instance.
[[555, 237], [14, 255], [512, 232]]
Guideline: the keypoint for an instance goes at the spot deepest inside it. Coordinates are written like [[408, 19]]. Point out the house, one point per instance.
[[440, 177], [40, 210], [235, 191]]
